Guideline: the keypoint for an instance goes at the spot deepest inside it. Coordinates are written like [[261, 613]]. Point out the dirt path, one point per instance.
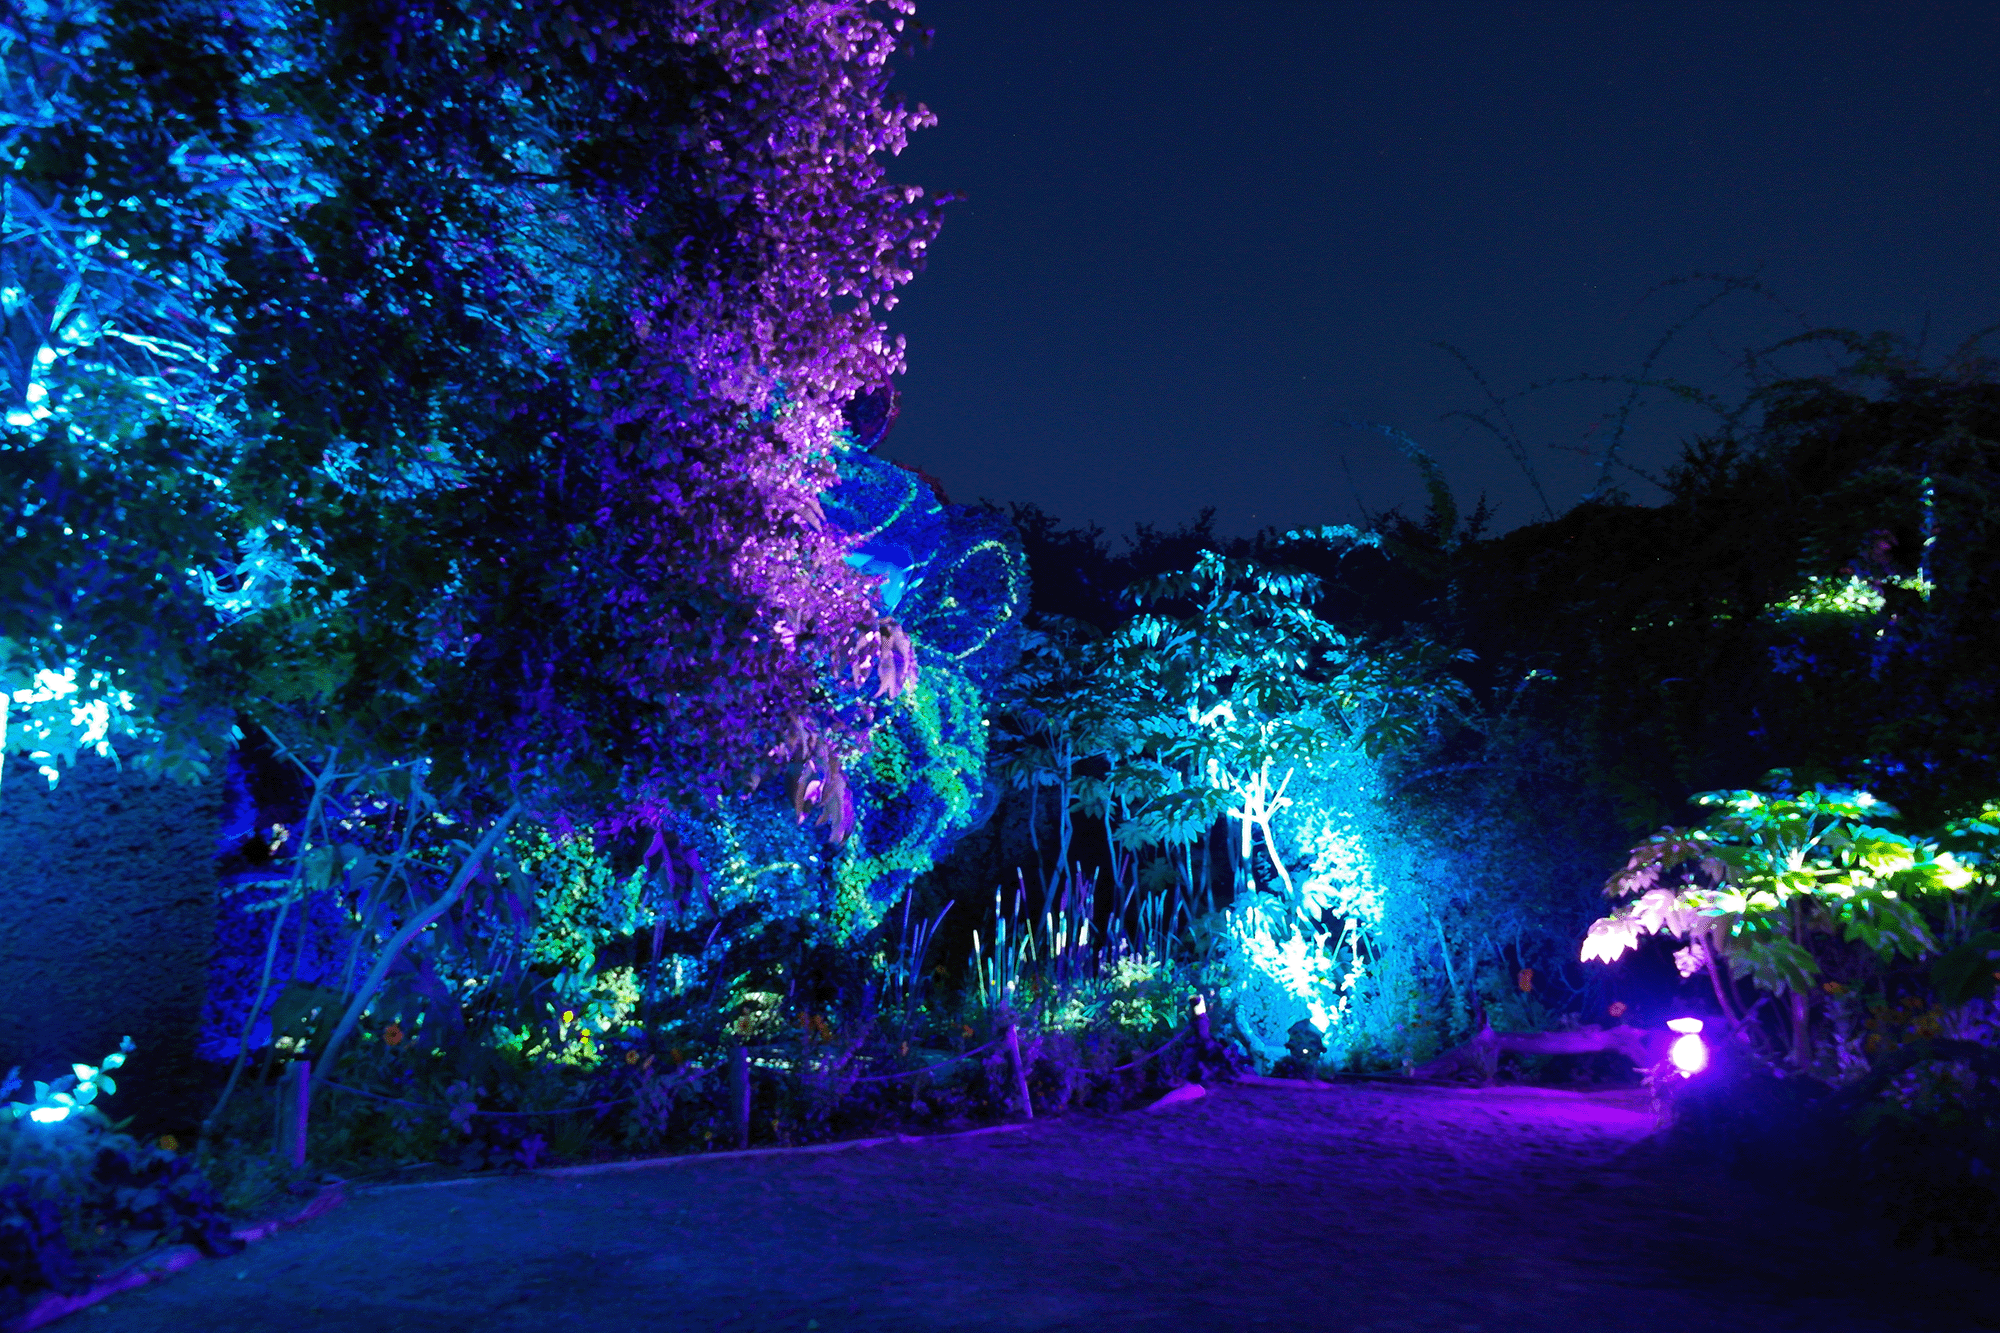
[[1365, 1209]]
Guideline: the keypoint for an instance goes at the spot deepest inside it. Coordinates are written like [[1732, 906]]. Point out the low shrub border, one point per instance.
[[159, 1265]]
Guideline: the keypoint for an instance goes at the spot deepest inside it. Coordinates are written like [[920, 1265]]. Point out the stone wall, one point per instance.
[[107, 917]]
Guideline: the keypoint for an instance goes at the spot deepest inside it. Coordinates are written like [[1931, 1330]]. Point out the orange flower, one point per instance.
[[170, 1143], [1525, 979], [1833, 988], [631, 1057], [1618, 1008], [393, 1035]]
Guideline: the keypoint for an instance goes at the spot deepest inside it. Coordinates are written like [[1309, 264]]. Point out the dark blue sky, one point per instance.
[[1195, 236]]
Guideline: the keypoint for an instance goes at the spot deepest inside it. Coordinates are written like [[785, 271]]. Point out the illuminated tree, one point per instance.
[[127, 183], [1224, 697], [1812, 595], [1752, 889], [451, 386], [511, 369]]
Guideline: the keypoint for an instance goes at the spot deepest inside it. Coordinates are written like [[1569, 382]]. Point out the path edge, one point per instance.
[[153, 1268], [687, 1159]]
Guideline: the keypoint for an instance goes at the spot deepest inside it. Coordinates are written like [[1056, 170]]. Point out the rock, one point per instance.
[[1187, 1092]]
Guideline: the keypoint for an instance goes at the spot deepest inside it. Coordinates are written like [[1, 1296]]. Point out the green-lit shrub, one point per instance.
[[74, 1190]]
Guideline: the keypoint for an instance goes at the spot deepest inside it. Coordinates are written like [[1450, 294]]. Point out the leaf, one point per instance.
[[1887, 924], [1968, 972], [317, 867], [301, 1010], [1774, 962], [1611, 937]]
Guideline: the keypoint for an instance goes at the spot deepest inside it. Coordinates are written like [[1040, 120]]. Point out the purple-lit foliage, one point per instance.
[[515, 404], [644, 253], [452, 395]]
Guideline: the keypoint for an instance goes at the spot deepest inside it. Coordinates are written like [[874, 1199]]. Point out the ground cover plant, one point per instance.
[[77, 1196]]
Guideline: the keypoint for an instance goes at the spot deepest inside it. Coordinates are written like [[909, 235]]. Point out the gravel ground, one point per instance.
[[1363, 1208]]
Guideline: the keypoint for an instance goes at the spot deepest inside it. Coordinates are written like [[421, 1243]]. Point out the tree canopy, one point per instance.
[[454, 380]]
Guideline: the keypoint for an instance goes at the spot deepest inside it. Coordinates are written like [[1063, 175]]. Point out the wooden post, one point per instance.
[[1013, 1040], [739, 1093], [294, 1105]]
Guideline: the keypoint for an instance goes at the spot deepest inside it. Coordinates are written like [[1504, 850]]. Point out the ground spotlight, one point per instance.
[[1688, 1053]]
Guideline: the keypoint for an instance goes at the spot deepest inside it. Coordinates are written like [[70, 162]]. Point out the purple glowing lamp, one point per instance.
[[1688, 1053]]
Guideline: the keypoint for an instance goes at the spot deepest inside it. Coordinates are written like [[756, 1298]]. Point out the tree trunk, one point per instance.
[[1801, 1006], [739, 1094], [294, 1104], [1801, 1030]]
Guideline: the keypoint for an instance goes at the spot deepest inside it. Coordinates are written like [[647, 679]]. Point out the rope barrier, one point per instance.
[[698, 1074], [452, 1110], [912, 1073], [1119, 1069]]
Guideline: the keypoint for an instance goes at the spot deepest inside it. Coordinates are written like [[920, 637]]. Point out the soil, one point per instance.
[[1363, 1208]]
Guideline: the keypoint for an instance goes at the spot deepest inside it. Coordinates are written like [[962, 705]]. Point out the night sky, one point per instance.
[[1195, 236]]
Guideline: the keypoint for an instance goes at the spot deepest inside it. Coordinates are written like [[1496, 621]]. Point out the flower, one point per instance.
[[393, 1034], [169, 1143], [631, 1057], [1525, 979], [1833, 988], [1618, 1008]]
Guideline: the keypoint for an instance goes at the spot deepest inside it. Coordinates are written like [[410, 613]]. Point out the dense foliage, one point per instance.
[[74, 1191], [1811, 596], [1776, 878], [460, 422], [483, 365]]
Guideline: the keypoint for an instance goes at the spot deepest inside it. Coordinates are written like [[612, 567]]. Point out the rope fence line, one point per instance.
[[697, 1074], [940, 1064], [457, 1110], [1119, 1069]]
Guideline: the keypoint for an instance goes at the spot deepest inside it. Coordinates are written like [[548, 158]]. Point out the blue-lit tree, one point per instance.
[[444, 316], [1225, 699], [450, 391], [123, 200]]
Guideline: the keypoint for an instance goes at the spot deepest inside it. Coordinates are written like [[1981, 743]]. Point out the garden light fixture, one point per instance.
[[1688, 1053]]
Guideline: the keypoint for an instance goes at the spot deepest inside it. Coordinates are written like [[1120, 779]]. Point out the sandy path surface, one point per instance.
[[1367, 1208]]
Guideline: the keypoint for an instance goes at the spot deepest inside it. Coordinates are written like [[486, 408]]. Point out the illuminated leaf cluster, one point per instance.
[[1771, 866]]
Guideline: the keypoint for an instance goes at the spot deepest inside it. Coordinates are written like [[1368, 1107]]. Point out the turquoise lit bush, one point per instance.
[[76, 1193]]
